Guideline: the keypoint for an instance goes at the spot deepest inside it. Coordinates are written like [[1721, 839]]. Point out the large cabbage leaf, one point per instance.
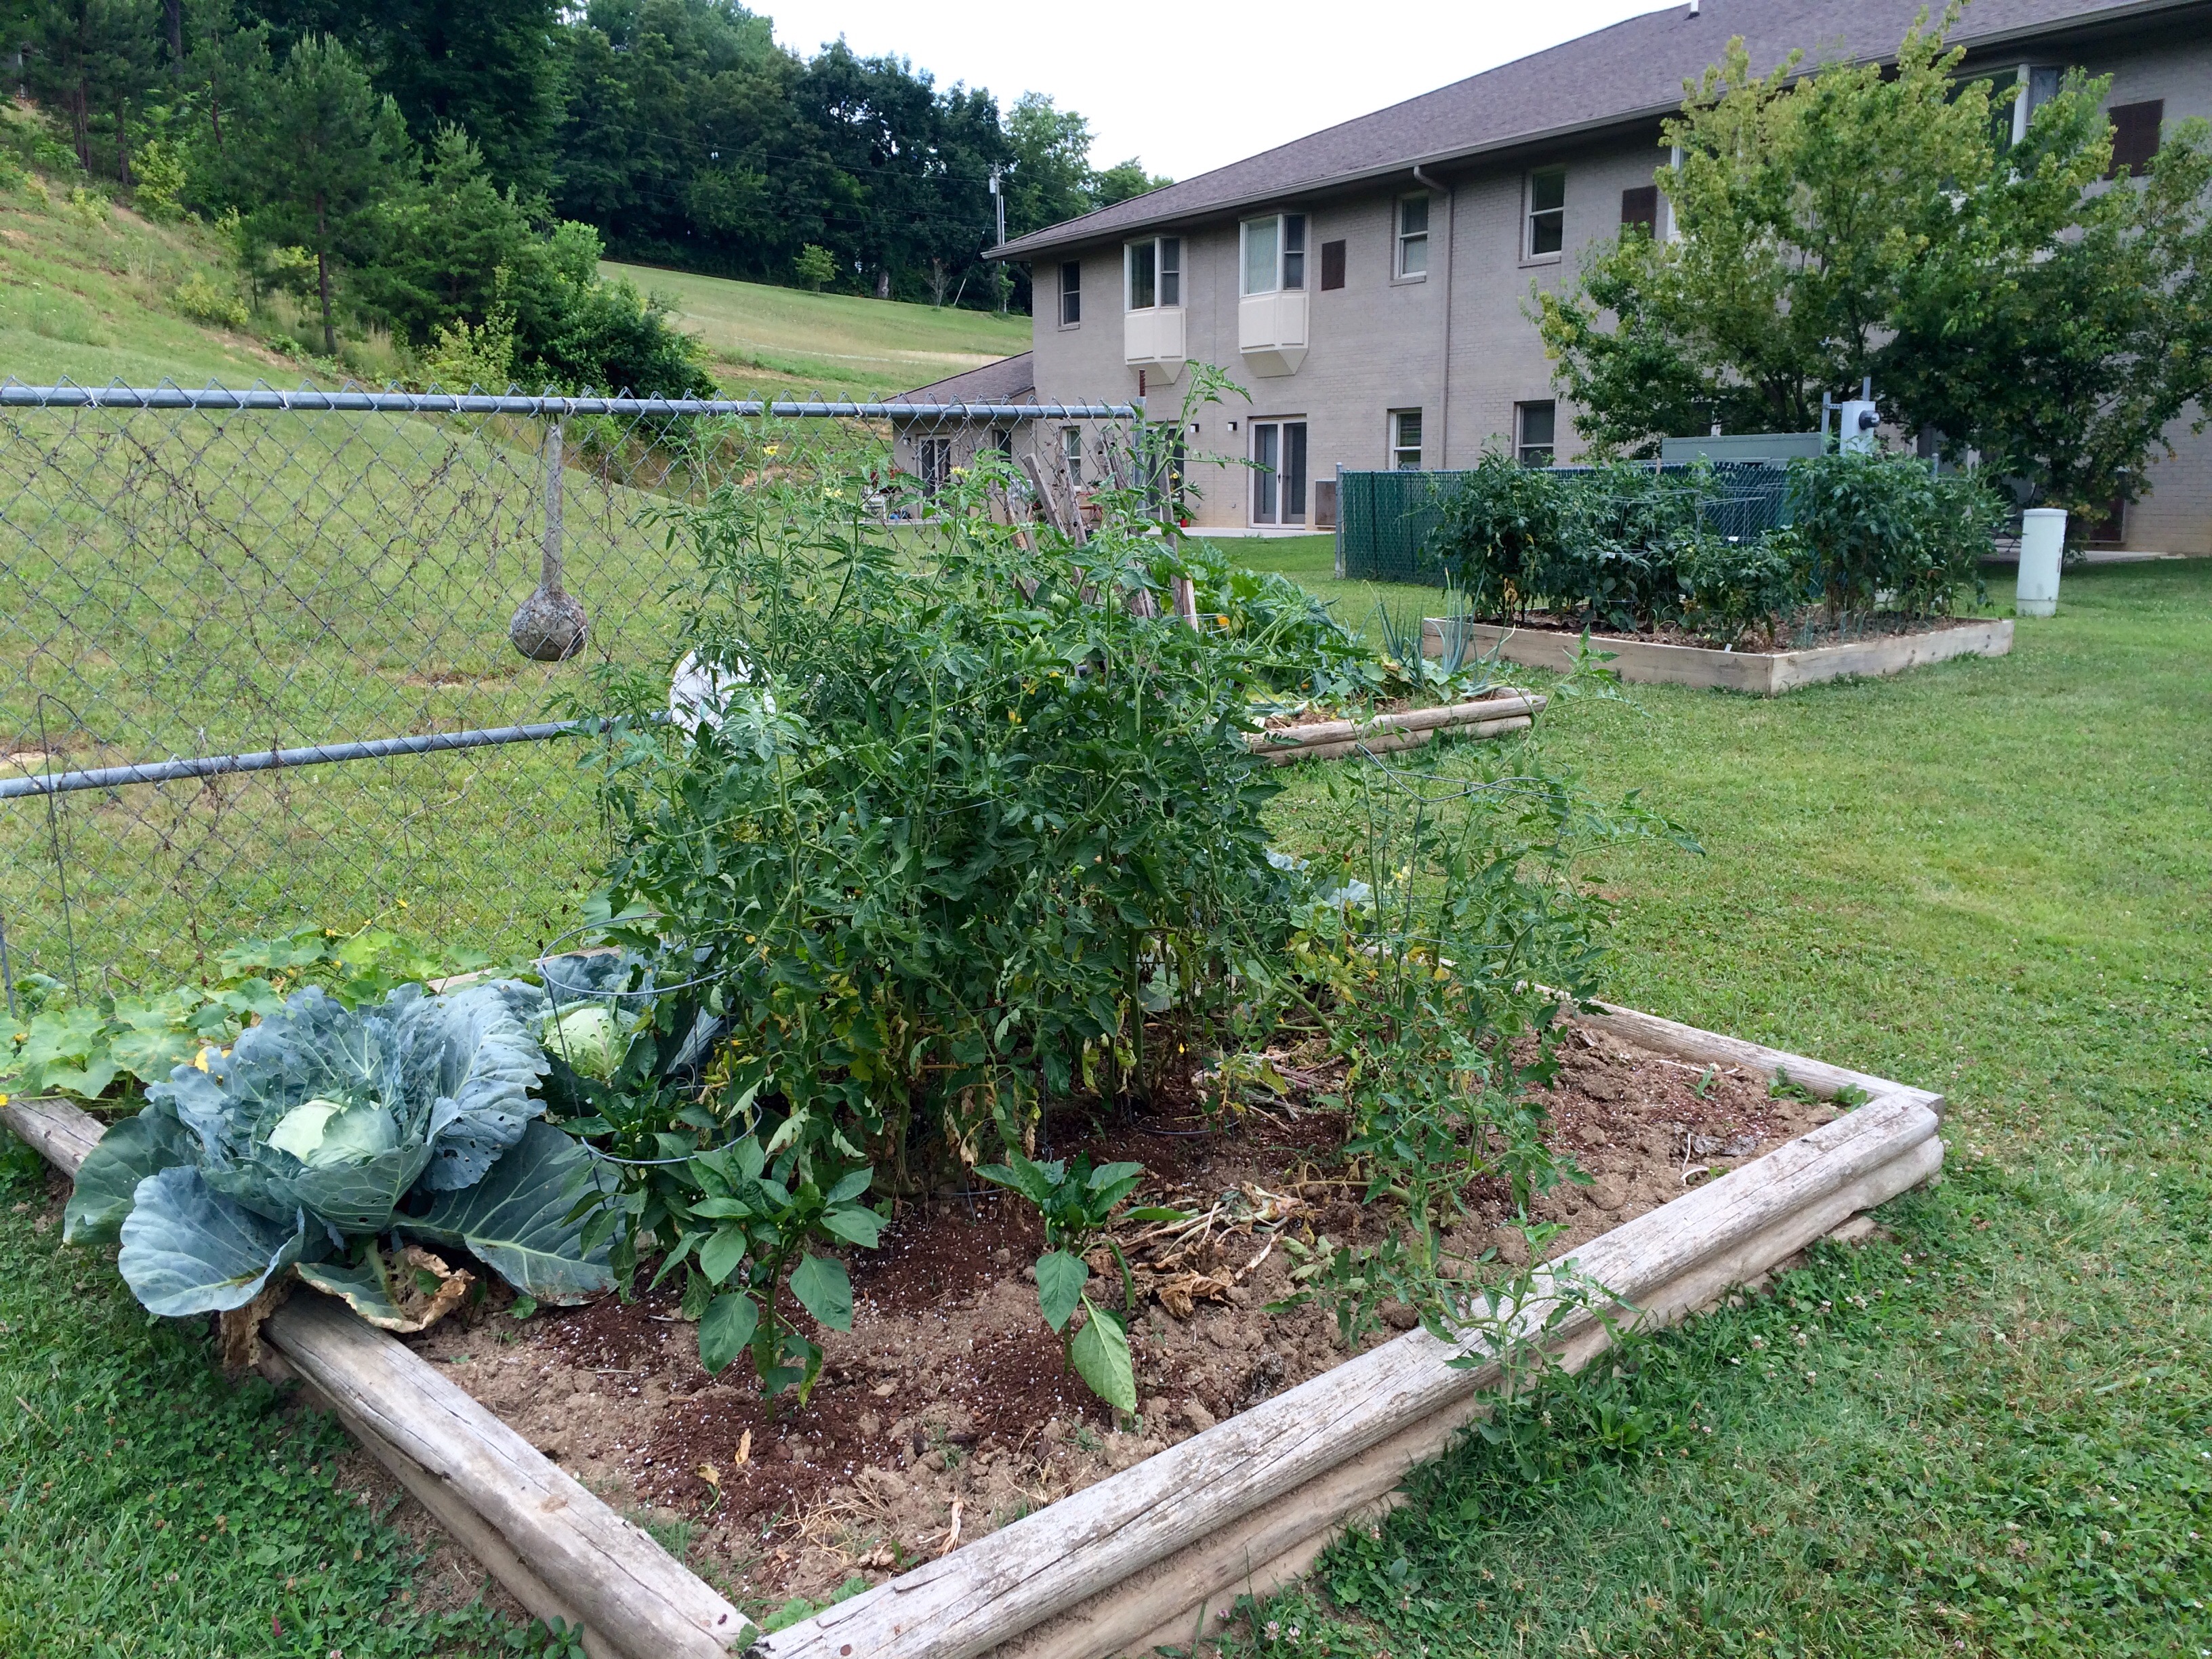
[[518, 1221], [340, 1112], [186, 1249], [108, 1178], [482, 1062]]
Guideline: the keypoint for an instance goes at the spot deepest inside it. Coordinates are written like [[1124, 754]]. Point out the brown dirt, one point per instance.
[[947, 1404]]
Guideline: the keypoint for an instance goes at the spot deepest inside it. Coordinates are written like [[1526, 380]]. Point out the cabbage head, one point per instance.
[[593, 1039], [325, 1126]]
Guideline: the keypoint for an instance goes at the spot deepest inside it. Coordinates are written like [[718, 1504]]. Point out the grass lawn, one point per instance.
[[1989, 877], [846, 346]]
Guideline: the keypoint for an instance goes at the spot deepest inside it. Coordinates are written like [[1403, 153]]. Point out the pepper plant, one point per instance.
[[1076, 1202]]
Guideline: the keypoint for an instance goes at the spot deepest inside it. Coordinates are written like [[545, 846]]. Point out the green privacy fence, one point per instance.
[[1384, 519]]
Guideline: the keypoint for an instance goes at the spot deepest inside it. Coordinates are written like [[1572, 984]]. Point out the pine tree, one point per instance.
[[322, 150]]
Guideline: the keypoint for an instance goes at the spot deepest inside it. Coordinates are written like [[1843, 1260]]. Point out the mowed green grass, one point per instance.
[[1992, 879], [846, 346]]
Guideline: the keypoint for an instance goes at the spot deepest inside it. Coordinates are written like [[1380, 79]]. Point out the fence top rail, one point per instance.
[[13, 394]]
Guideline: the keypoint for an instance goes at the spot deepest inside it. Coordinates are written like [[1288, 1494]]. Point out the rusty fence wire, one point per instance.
[[259, 650]]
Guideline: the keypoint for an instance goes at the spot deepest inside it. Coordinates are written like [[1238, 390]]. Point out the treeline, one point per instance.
[[678, 129]]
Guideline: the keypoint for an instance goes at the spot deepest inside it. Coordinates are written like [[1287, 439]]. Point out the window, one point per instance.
[[1405, 440], [1412, 236], [1533, 425], [1154, 270], [1070, 292], [1070, 452], [2135, 135], [1332, 266], [1547, 212], [1279, 472], [1640, 206], [1275, 253], [2039, 84], [935, 457]]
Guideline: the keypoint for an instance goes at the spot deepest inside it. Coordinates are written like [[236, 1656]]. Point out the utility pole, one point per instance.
[[998, 203]]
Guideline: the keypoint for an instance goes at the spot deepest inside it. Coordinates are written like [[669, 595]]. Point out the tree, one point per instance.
[[94, 59], [443, 243], [1799, 201], [815, 266], [1859, 222], [321, 154], [489, 67], [2064, 355], [1124, 179], [1051, 180]]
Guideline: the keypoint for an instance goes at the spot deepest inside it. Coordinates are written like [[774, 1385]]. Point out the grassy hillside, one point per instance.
[[91, 292], [94, 292], [766, 336]]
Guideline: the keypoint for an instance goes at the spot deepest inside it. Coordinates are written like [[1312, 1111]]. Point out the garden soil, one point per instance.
[[946, 1412]]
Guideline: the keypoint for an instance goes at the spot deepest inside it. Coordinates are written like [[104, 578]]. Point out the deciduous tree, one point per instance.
[[1863, 222]]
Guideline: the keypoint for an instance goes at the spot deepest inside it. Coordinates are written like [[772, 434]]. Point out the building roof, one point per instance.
[[1009, 380], [1633, 72]]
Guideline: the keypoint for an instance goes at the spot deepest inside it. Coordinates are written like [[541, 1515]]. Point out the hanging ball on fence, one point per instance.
[[549, 626]]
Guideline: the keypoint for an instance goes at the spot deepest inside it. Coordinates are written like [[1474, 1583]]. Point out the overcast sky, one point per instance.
[[1189, 86]]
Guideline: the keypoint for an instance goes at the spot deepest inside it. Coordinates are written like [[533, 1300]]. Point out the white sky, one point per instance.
[[1190, 86]]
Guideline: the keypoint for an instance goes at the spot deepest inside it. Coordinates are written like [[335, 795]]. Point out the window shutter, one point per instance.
[[1332, 264], [1640, 206], [2135, 135]]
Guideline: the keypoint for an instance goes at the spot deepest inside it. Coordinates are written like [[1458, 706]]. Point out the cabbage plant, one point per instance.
[[326, 1127]]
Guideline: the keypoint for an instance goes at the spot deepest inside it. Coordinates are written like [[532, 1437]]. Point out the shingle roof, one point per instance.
[[1633, 70], [1010, 380]]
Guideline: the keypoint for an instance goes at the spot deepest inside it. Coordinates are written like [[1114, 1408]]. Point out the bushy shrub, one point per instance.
[[200, 300], [1626, 547], [1733, 589], [1499, 535], [1287, 633], [1601, 545], [1886, 532]]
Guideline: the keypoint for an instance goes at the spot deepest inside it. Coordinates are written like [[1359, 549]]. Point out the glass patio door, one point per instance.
[[1279, 472]]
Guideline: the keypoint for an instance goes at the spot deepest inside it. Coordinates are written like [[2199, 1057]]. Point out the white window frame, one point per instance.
[[1406, 241], [1070, 452], [1289, 261], [1167, 273], [1530, 212], [1398, 449], [1270, 483], [932, 463], [1067, 292]]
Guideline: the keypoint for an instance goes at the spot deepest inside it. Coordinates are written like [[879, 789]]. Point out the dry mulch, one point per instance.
[[945, 1412]]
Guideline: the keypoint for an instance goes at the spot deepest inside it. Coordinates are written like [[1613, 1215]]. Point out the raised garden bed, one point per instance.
[[1762, 673], [1260, 1436], [1493, 715]]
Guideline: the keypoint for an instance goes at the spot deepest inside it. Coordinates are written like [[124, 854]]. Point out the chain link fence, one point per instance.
[[1385, 520], [255, 659]]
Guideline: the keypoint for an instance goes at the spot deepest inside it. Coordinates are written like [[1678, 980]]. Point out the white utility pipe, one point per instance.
[[2042, 541]]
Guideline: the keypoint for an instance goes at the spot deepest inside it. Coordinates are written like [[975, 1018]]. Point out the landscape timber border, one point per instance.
[[1245, 1506], [1492, 715], [1761, 673]]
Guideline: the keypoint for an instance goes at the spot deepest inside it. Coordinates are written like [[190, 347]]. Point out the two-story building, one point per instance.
[[1369, 284]]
